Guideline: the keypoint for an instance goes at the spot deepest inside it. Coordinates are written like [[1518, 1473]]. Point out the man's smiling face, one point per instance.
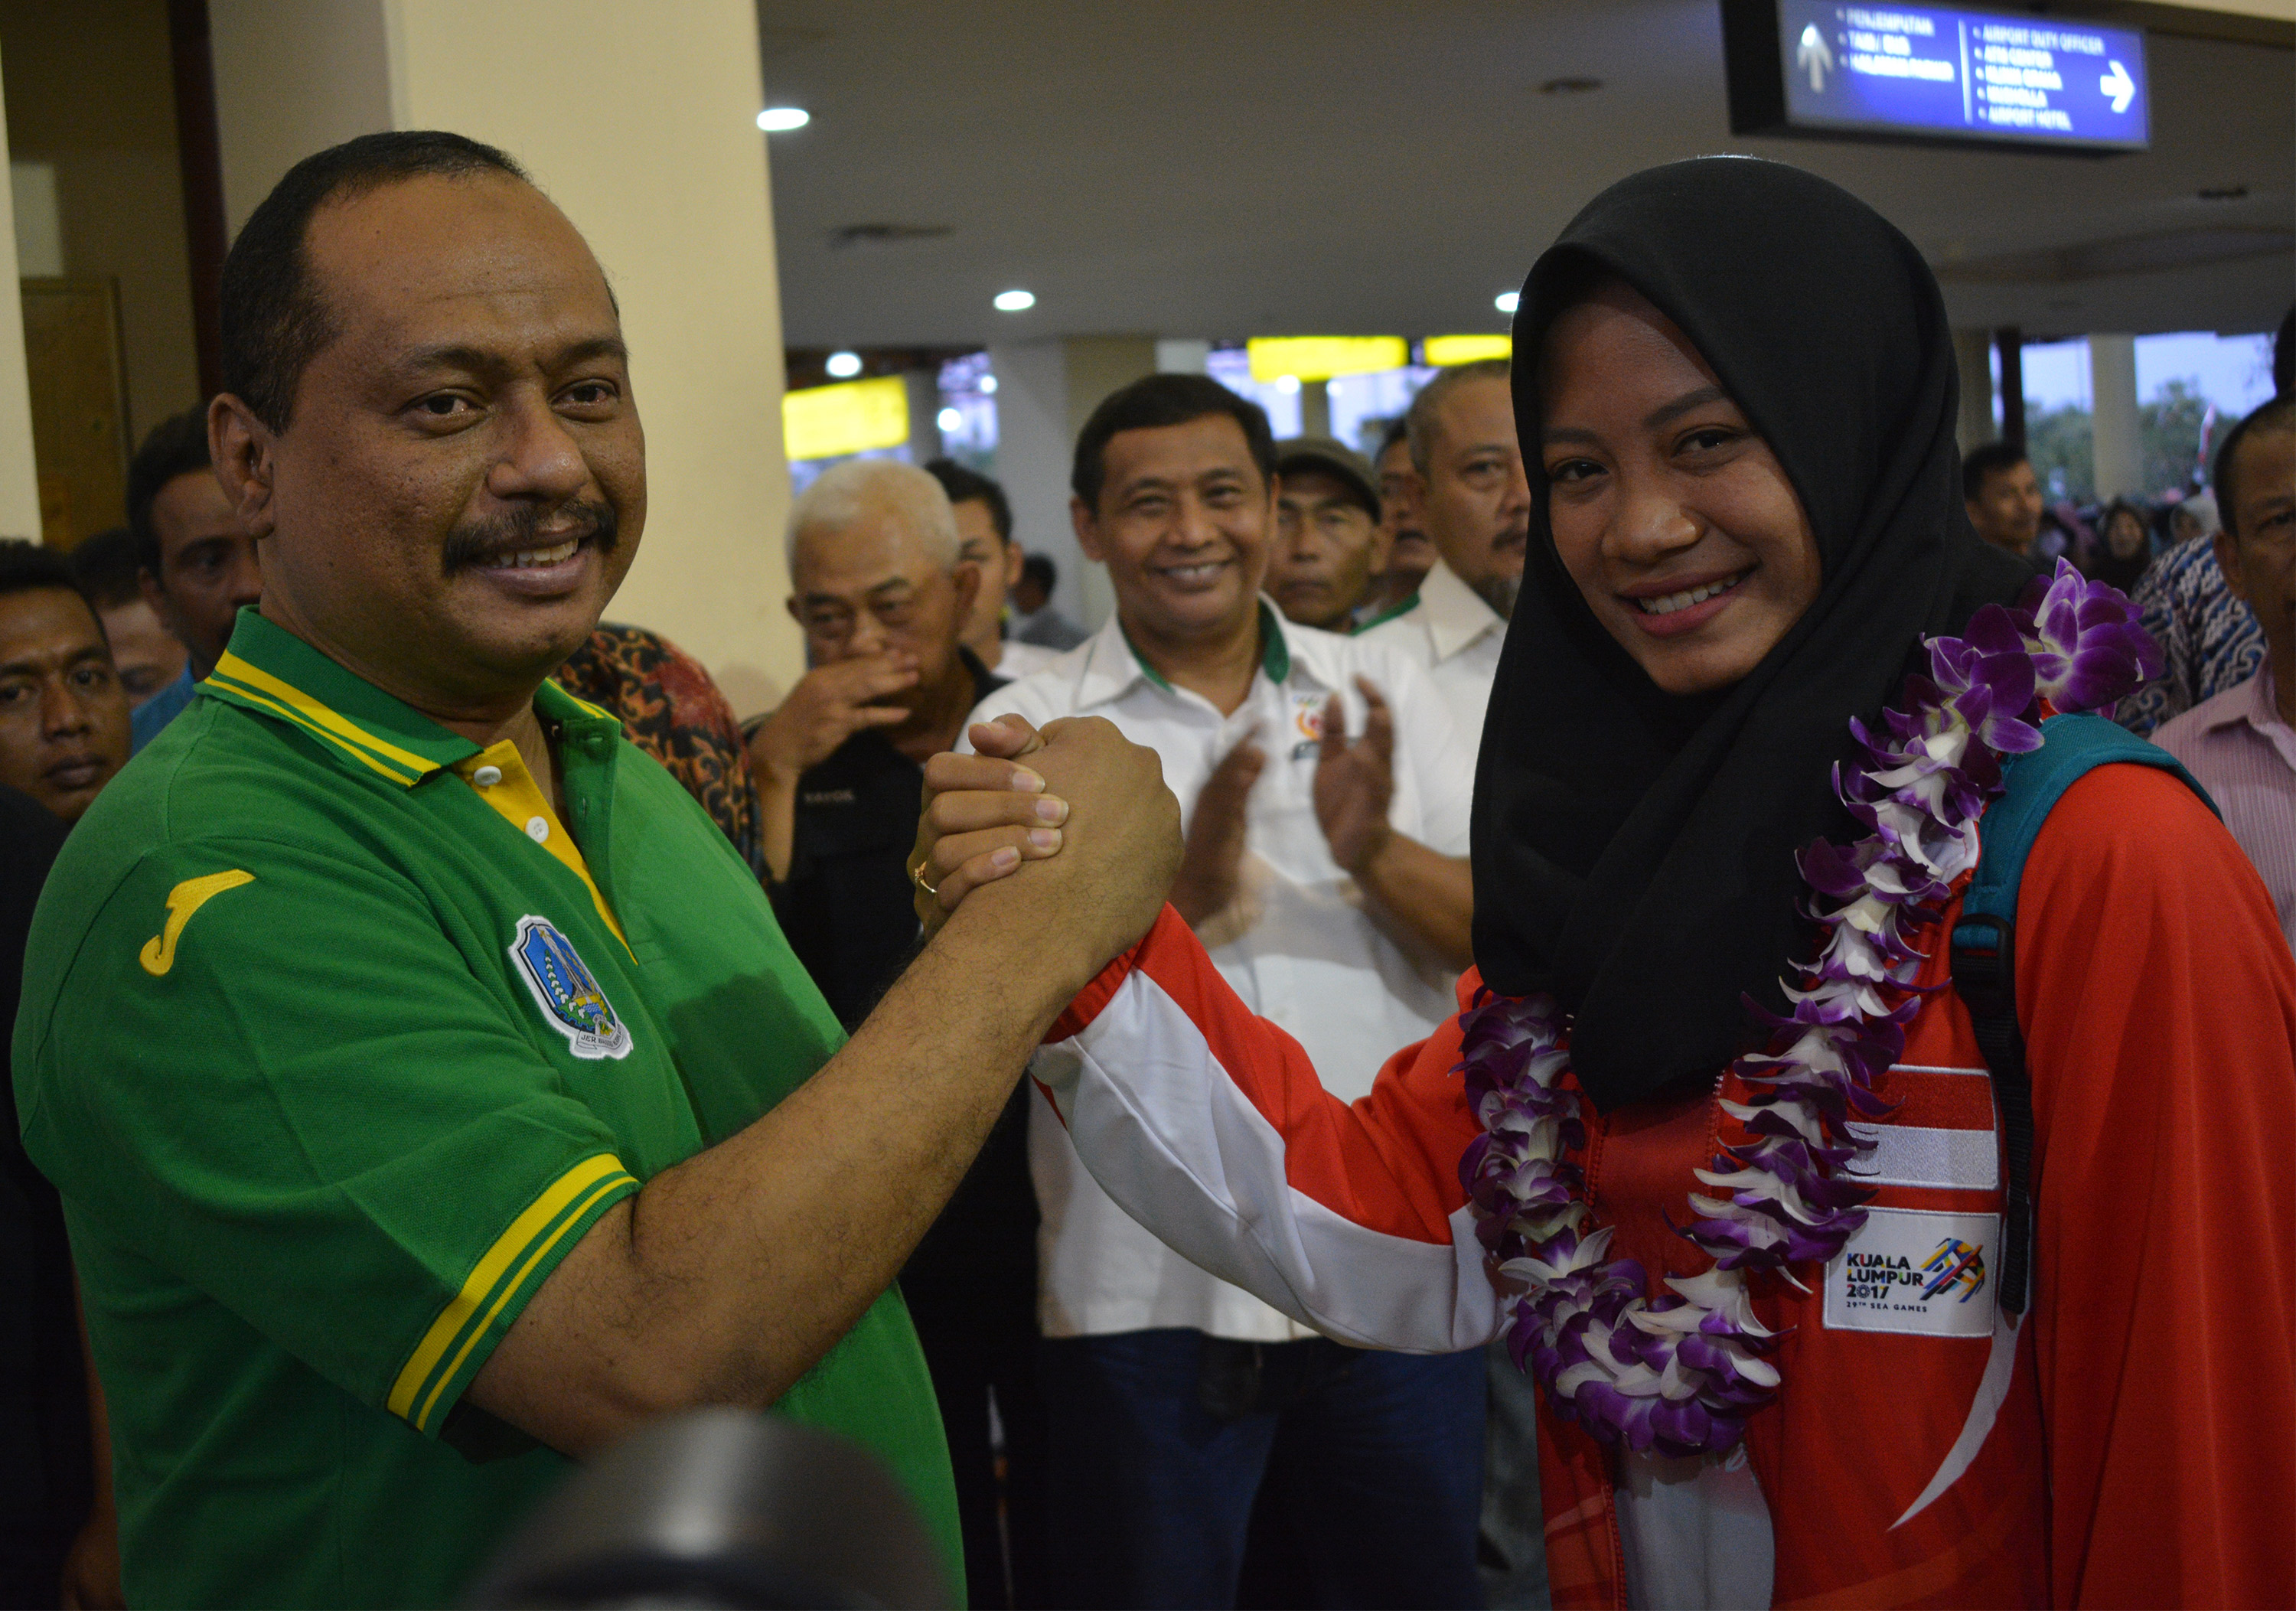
[[461, 484], [1184, 525]]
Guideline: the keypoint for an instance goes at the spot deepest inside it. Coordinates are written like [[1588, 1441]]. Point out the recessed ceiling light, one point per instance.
[[988, 385], [780, 119], [1507, 301], [844, 365], [1287, 383], [1015, 302], [950, 420], [2225, 193], [1569, 87]]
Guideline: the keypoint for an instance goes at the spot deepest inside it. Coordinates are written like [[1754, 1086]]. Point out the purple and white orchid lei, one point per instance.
[[1681, 1373]]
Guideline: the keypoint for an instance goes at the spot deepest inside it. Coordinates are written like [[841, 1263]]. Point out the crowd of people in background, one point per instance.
[[1125, 1428]]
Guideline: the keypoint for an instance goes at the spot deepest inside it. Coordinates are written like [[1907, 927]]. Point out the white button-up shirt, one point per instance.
[[1297, 943], [1452, 632]]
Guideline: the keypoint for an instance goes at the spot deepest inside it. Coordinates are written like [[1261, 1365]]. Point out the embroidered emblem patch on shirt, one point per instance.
[[567, 992], [158, 953], [1916, 1271]]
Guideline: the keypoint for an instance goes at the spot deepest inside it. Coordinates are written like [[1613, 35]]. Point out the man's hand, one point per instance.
[[1354, 781], [1217, 832], [982, 817], [91, 1576], [828, 706]]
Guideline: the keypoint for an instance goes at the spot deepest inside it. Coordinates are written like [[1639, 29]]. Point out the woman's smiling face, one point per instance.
[[1674, 519]]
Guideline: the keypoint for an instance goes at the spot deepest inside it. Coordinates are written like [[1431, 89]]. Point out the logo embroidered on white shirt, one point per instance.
[[1916, 1271]]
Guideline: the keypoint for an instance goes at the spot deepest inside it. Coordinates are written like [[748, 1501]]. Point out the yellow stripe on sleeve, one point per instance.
[[604, 1188], [603, 1171]]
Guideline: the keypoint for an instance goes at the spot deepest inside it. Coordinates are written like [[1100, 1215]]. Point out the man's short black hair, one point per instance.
[[1991, 459], [1035, 568], [29, 567], [2283, 355], [177, 446], [2278, 415], [1164, 399], [965, 486], [273, 323], [107, 568], [1398, 429]]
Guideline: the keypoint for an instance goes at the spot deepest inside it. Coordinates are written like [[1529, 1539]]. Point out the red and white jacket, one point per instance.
[[2132, 1443]]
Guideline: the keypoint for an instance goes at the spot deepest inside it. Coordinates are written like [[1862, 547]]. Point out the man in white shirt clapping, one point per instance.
[[1326, 798]]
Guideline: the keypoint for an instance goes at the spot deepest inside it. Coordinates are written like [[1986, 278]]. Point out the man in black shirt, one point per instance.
[[881, 590]]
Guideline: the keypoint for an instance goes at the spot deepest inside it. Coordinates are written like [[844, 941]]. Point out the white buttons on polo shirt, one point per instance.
[[485, 777], [537, 829]]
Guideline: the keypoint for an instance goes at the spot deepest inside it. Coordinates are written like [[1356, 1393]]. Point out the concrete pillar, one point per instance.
[[671, 192], [2120, 442], [19, 479], [1973, 349], [1046, 390], [1315, 408]]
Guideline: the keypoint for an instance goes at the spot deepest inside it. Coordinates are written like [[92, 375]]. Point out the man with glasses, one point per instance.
[[882, 587]]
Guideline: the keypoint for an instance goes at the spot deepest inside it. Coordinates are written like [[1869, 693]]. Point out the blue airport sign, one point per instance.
[[1822, 69]]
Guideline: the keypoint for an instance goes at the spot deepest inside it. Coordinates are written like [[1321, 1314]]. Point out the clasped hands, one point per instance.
[[1078, 799], [1014, 801]]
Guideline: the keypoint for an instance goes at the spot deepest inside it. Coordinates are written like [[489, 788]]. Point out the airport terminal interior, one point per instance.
[[1612, 540]]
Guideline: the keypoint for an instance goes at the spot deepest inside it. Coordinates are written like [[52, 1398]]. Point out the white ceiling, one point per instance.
[[1230, 167]]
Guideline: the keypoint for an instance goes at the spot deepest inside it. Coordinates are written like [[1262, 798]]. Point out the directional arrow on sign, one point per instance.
[[1815, 59], [2119, 87]]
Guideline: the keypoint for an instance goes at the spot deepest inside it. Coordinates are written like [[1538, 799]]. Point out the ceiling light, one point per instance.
[[950, 420], [1015, 302], [988, 385], [1507, 301], [1287, 383], [780, 119], [844, 365]]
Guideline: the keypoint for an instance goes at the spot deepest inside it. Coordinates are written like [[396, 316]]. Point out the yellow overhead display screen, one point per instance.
[[1319, 357], [1443, 350], [828, 422]]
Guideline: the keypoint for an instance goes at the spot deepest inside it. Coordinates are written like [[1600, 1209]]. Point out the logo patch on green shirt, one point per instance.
[[566, 991]]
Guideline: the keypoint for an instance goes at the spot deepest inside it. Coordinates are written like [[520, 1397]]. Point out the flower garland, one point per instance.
[[1681, 1374]]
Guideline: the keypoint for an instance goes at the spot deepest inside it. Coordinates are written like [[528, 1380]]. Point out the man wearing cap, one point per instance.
[[432, 1095], [1325, 873], [1330, 545], [1474, 502]]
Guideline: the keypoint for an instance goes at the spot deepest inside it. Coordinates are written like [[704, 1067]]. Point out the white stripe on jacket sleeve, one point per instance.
[[1170, 1137]]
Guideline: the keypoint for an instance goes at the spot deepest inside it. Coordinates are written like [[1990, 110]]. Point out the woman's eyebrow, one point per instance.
[[1683, 405]]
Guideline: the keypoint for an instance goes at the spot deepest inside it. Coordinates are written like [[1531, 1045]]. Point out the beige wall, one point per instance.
[[664, 172], [19, 486], [91, 92]]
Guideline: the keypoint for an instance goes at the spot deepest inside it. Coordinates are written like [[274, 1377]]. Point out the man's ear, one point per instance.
[[2227, 547], [796, 614], [1086, 527], [965, 578], [1383, 547], [240, 446], [1014, 554]]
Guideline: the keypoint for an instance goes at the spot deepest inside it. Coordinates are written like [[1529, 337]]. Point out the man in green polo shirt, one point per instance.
[[430, 1091]]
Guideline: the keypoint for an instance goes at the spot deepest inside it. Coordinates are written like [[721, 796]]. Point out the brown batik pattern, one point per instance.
[[673, 711]]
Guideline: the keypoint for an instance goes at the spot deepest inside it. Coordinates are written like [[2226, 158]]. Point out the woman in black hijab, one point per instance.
[[1735, 386]]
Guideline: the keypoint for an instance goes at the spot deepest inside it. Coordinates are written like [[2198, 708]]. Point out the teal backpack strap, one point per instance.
[[1984, 942]]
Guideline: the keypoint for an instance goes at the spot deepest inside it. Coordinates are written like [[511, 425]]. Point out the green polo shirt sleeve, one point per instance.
[[260, 1046]]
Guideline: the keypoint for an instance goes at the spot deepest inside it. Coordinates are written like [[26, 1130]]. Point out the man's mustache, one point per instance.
[[479, 541]]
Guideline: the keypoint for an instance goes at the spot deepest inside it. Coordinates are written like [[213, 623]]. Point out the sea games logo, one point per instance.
[[1916, 1272]]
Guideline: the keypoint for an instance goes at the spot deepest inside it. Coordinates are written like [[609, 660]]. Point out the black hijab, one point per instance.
[[1634, 851]]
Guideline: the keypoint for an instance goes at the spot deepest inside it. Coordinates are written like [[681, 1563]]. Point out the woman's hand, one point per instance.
[[982, 815]]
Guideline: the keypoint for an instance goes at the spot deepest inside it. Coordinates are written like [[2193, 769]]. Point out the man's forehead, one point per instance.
[[432, 252], [878, 545], [44, 623], [1206, 445]]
